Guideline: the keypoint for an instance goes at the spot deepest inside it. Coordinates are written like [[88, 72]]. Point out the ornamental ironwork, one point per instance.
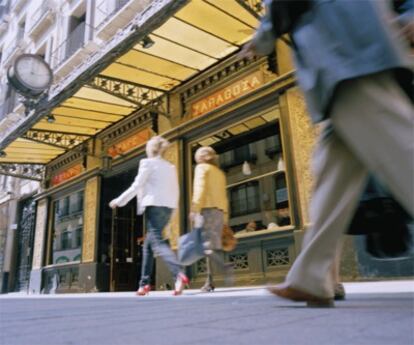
[[135, 93], [33, 172], [202, 266], [62, 140], [25, 245], [254, 7], [240, 261], [277, 257]]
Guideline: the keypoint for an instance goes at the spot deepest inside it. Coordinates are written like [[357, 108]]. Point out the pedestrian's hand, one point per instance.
[[408, 32], [248, 51], [191, 216], [113, 204]]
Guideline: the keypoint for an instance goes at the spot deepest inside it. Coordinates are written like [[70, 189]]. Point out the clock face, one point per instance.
[[33, 72]]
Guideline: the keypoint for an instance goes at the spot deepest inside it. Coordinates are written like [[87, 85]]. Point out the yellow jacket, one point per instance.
[[209, 188]]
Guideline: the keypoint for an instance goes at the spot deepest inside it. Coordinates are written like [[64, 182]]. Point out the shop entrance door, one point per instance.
[[121, 234], [126, 238]]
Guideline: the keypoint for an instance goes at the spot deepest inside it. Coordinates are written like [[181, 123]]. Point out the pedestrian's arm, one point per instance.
[[139, 182], [264, 38], [199, 187]]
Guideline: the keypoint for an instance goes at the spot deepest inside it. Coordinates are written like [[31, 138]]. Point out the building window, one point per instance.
[[76, 36], [67, 228], [244, 199]]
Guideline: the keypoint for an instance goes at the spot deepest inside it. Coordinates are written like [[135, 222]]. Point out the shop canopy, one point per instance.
[[198, 35]]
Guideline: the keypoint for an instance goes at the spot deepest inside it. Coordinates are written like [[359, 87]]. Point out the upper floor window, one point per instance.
[[76, 34]]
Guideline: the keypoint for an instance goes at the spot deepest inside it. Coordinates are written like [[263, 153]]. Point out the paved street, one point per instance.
[[373, 314]]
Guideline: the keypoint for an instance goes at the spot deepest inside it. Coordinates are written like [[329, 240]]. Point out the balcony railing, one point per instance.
[[110, 13], [11, 48], [4, 10], [39, 15], [67, 48], [17, 5], [8, 105]]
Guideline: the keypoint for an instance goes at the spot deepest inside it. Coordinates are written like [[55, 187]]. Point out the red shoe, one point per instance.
[[143, 290], [285, 291], [180, 284]]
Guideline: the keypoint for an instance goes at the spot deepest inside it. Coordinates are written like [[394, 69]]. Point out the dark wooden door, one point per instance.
[[125, 251]]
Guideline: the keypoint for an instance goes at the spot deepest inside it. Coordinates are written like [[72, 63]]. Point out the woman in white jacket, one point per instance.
[[156, 189]]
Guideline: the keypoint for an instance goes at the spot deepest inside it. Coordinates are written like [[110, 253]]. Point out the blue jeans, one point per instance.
[[156, 218]]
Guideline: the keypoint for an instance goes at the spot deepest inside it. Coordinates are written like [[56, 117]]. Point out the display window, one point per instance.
[[67, 228], [251, 155]]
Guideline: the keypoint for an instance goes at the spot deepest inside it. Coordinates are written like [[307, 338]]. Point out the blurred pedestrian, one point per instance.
[[210, 200], [354, 69], [156, 189]]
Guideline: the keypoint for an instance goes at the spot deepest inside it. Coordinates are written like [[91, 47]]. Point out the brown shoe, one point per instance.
[[285, 291], [339, 292]]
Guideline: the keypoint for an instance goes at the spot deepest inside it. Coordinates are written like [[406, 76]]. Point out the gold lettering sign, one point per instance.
[[66, 174], [129, 143], [227, 94]]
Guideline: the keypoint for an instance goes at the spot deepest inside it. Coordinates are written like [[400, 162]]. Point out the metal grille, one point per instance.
[[202, 266], [240, 261], [277, 257], [25, 245]]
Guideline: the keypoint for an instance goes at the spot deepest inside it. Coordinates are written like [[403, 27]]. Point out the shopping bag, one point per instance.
[[190, 247], [228, 241], [383, 221]]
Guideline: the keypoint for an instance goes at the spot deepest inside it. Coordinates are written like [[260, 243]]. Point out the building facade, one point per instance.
[[123, 72]]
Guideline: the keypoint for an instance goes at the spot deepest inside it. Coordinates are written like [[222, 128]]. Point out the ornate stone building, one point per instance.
[[123, 72]]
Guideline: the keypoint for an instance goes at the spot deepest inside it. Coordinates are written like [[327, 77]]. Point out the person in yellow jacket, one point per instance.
[[210, 200]]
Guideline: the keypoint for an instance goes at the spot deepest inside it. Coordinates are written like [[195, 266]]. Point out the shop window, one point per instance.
[[244, 199], [65, 238], [281, 200], [237, 156], [67, 228], [252, 157], [272, 146]]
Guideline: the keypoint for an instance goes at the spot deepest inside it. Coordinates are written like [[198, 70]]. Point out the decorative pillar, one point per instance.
[[172, 232], [90, 216], [300, 137]]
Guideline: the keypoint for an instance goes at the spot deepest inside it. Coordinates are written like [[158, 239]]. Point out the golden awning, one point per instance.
[[193, 39]]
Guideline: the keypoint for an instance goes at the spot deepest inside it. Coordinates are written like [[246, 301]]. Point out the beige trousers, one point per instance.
[[373, 123]]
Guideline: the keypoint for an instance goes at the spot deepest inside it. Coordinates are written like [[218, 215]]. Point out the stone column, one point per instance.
[[172, 232], [90, 219], [299, 138]]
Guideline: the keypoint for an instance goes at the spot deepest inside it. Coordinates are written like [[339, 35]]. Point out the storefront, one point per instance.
[[190, 86]]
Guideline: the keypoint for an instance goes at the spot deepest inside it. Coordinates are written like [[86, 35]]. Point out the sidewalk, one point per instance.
[[374, 313], [382, 287]]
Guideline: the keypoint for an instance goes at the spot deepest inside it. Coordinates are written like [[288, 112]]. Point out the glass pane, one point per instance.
[[67, 228]]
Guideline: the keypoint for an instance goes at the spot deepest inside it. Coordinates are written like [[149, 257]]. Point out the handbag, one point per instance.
[[190, 247], [228, 240], [383, 221]]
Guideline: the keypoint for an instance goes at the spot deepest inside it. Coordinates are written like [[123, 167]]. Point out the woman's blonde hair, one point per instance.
[[206, 154], [156, 146]]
